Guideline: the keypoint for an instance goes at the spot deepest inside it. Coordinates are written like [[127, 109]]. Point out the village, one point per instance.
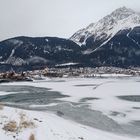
[[10, 76]]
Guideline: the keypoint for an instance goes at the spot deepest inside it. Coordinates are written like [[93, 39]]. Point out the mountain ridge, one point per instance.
[[112, 41]]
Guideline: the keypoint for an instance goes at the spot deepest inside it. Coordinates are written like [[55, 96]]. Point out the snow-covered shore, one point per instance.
[[47, 126]]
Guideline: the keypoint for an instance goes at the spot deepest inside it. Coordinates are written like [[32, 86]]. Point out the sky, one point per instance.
[[60, 18]]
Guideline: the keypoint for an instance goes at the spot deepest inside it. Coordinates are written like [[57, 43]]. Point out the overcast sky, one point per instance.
[[54, 17]]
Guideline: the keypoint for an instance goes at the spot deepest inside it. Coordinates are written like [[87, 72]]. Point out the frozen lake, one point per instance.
[[110, 104]]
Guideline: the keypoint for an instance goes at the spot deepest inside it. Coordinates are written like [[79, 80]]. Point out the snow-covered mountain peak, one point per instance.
[[122, 13], [104, 29]]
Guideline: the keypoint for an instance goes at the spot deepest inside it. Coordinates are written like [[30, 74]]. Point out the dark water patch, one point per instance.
[[18, 88], [132, 98], [30, 95], [115, 113], [136, 123], [88, 99], [136, 107], [86, 85], [55, 81]]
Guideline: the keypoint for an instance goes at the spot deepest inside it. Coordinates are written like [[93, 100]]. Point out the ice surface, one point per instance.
[[94, 98]]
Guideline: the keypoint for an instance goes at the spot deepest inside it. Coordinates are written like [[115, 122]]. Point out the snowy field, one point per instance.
[[72, 109]]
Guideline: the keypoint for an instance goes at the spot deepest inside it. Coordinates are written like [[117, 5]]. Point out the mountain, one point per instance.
[[113, 40], [107, 27], [30, 52]]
